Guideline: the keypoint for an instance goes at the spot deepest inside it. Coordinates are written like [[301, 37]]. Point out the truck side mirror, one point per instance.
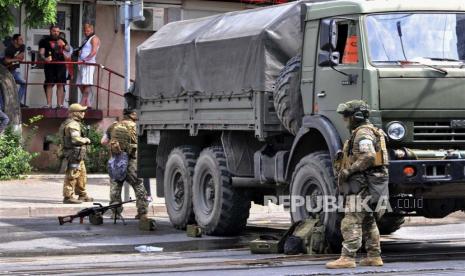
[[328, 35], [328, 59]]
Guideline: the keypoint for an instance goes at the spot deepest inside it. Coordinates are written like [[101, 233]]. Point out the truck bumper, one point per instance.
[[427, 172]]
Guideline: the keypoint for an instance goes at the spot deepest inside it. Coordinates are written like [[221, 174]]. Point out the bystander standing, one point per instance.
[[51, 49], [87, 53], [14, 53]]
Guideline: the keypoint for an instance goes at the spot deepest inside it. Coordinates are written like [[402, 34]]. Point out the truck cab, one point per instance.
[[214, 149]]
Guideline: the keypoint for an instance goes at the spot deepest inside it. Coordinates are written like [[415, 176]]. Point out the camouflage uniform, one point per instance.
[[363, 169], [74, 148], [131, 178]]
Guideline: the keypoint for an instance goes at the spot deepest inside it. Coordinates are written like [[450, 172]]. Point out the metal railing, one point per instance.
[[101, 70]]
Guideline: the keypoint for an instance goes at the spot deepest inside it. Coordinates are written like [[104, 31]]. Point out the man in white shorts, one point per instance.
[[88, 52]]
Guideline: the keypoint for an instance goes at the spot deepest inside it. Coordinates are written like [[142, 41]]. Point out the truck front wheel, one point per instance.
[[178, 185], [312, 186], [219, 208]]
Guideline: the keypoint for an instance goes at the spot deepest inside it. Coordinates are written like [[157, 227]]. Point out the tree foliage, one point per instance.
[[38, 13]]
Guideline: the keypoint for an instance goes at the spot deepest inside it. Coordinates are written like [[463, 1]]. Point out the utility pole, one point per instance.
[[132, 11], [127, 66]]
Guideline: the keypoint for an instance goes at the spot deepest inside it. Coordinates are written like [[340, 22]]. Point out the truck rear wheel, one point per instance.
[[219, 208], [312, 179], [178, 185], [287, 98], [389, 225]]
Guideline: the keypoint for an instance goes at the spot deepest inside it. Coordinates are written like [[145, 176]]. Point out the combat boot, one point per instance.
[[342, 262], [86, 198], [70, 200], [146, 224], [371, 261]]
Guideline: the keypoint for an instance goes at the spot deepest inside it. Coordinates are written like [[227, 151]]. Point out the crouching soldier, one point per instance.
[[122, 139], [362, 173], [74, 152]]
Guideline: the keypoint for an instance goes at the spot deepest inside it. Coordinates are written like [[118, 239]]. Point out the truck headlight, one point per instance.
[[396, 131]]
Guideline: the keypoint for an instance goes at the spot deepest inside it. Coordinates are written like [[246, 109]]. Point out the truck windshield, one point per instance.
[[417, 37]]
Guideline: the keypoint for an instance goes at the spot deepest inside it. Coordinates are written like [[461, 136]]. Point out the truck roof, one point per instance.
[[230, 53], [330, 8]]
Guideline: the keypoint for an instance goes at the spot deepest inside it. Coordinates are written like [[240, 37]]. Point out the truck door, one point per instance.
[[343, 82]]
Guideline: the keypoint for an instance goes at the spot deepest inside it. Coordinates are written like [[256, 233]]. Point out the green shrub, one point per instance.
[[97, 155], [14, 160]]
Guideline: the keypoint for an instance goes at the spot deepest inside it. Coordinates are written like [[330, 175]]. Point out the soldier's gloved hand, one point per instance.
[[343, 175], [87, 141]]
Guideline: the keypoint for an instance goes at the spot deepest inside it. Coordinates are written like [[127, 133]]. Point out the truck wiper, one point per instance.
[[437, 69], [443, 59]]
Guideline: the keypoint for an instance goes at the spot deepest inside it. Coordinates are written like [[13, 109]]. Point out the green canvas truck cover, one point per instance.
[[231, 53]]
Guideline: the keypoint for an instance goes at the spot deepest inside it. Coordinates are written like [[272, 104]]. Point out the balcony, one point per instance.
[[108, 90]]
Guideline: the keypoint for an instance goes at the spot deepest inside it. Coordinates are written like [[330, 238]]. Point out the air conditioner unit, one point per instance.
[[154, 20]]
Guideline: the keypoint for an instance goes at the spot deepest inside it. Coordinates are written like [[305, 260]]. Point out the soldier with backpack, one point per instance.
[[121, 137]]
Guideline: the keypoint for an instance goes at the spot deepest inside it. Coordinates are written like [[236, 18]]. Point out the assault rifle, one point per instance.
[[95, 214]]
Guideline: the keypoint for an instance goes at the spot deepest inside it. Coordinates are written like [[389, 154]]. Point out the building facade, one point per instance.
[[105, 16]]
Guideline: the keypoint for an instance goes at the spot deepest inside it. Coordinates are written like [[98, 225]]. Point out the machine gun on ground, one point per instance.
[[95, 214]]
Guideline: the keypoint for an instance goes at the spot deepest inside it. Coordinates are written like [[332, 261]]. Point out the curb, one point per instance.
[[40, 212], [62, 176]]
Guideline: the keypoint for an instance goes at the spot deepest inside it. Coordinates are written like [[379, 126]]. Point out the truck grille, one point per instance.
[[437, 132]]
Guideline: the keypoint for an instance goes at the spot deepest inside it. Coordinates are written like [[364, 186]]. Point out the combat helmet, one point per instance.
[[76, 108], [355, 108]]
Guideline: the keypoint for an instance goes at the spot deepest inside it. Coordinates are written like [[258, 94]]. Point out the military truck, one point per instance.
[[238, 107]]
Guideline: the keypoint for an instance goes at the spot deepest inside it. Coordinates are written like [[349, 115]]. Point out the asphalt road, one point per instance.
[[39, 246]]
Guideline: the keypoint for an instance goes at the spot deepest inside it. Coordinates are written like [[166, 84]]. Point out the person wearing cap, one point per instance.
[[362, 175], [74, 145], [121, 137]]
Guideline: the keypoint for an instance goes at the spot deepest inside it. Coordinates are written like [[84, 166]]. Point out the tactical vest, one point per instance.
[[66, 139], [122, 138], [350, 150]]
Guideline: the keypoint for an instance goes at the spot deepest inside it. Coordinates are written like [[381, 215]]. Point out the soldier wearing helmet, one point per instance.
[[122, 139], [362, 174], [74, 152]]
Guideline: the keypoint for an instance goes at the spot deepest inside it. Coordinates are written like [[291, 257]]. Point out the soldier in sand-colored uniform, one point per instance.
[[74, 150], [361, 173]]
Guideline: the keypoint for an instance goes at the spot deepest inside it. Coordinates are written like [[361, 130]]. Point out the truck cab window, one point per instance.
[[347, 43]]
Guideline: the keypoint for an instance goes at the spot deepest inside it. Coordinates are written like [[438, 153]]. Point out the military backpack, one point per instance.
[[120, 140], [308, 237]]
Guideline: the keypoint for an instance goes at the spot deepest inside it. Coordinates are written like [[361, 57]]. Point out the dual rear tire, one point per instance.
[[178, 177], [198, 188]]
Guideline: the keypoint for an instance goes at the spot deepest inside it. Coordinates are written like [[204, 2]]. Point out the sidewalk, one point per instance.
[[41, 196]]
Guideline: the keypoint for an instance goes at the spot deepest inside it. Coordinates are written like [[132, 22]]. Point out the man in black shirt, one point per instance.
[[14, 53], [51, 49]]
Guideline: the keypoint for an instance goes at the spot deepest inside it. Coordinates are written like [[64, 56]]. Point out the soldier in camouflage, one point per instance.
[[362, 173], [74, 152], [114, 135]]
